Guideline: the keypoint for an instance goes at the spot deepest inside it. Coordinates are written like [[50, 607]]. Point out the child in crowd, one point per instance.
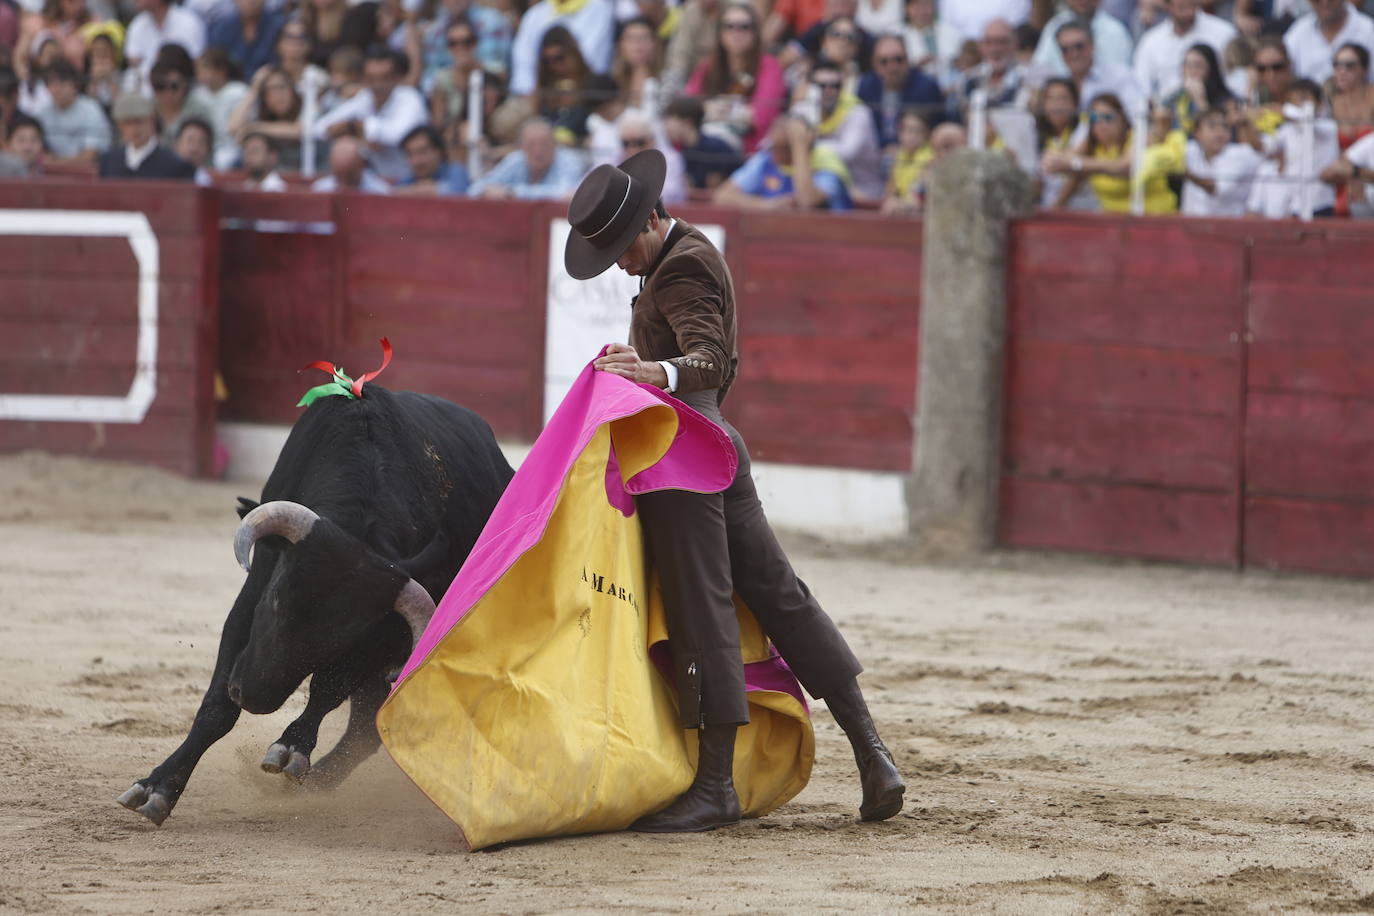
[[913, 154]]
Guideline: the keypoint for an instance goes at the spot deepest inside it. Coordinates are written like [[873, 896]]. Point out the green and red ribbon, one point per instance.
[[341, 384]]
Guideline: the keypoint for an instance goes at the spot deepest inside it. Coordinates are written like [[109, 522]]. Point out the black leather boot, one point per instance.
[[710, 801], [882, 784]]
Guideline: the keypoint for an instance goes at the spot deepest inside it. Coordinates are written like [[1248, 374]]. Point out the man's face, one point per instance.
[[946, 139], [258, 159], [679, 130], [642, 251], [1077, 47], [1213, 135], [1083, 8], [920, 13], [889, 59], [997, 45], [1273, 69], [380, 77], [136, 132], [193, 146], [346, 164], [539, 147], [250, 9], [1329, 12], [27, 144], [424, 157], [828, 84], [63, 92], [1183, 12]]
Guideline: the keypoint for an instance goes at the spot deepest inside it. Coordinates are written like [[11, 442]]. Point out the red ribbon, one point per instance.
[[369, 376]]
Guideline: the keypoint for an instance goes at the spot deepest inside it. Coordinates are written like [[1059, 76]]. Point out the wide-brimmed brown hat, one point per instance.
[[609, 210]]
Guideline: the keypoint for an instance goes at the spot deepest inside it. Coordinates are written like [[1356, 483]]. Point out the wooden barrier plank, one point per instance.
[[861, 230], [1286, 312], [70, 344], [810, 268], [284, 206], [1169, 524], [1309, 446], [1108, 445], [489, 224], [171, 207], [103, 257], [1345, 371], [873, 361], [176, 387], [1098, 309], [1325, 537], [432, 262], [824, 395], [862, 437], [1314, 263]]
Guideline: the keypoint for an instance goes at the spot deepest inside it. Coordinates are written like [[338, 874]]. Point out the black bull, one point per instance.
[[371, 508]]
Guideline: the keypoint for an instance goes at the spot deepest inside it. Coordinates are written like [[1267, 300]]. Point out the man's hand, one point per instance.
[[623, 361]]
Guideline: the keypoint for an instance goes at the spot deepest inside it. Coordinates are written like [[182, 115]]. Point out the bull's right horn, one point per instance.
[[280, 517], [417, 607]]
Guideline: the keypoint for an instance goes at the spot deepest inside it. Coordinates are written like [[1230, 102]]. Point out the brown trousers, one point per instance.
[[706, 546]]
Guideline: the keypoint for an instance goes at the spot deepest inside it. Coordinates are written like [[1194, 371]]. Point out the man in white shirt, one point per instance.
[[591, 22], [382, 114], [971, 17], [260, 164], [1355, 167], [1110, 36], [161, 22], [1312, 40], [1218, 172], [1159, 55], [348, 170], [1090, 73]]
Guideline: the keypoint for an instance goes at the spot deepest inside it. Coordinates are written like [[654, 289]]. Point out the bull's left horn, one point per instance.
[[280, 517], [417, 607]]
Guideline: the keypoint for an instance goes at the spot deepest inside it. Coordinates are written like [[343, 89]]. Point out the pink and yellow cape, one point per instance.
[[532, 705]]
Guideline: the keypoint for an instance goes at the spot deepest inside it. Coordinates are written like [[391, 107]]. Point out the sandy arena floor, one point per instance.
[[1079, 737]]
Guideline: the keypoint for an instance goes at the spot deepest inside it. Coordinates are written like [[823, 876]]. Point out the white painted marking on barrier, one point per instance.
[[132, 407]]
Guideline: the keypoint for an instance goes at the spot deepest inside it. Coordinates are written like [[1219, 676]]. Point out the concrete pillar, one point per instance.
[[952, 492]]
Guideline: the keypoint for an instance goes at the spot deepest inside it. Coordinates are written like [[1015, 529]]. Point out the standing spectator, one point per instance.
[[791, 173], [248, 35], [1090, 73], [708, 160], [104, 65], [1292, 193], [490, 29], [560, 91], [348, 170], [272, 107], [1111, 39], [172, 79], [999, 74], [223, 95], [75, 126], [638, 59], [740, 86], [293, 56], [895, 86], [140, 155], [448, 99], [1219, 173], [1204, 88], [539, 169], [1312, 40], [932, 44], [846, 127], [1104, 161], [1056, 122], [972, 17], [382, 114], [840, 41], [1352, 105], [161, 22], [912, 155], [195, 143], [591, 22], [24, 148], [260, 164], [431, 172], [60, 20], [1159, 53]]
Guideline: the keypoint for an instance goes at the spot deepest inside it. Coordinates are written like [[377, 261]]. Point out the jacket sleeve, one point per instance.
[[692, 305]]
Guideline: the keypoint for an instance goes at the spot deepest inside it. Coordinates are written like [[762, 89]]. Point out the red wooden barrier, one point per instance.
[[69, 316]]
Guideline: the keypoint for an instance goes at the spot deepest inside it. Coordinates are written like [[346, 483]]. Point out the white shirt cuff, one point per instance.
[[672, 375]]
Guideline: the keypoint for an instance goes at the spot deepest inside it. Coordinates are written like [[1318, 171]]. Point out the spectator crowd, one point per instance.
[[1224, 107]]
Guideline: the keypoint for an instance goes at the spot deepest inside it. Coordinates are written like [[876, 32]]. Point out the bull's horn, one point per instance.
[[416, 606], [280, 517]]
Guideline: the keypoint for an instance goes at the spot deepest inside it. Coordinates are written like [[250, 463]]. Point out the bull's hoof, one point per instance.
[[297, 767], [282, 759], [152, 805]]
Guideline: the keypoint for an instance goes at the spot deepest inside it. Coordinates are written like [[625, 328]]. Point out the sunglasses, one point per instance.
[[823, 85], [892, 59], [1271, 68], [168, 86], [738, 26], [555, 58], [1347, 64], [1104, 117], [843, 35], [468, 42], [635, 142], [1073, 47]]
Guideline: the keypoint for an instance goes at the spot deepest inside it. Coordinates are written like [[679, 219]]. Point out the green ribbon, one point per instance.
[[340, 385]]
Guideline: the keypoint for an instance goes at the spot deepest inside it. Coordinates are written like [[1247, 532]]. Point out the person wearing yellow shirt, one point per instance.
[[1103, 159], [914, 153]]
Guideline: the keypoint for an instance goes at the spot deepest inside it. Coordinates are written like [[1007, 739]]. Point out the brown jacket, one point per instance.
[[685, 313]]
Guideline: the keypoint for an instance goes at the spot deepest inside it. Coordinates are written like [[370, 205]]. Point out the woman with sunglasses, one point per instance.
[[561, 81], [175, 98], [1352, 105], [1103, 161], [448, 100], [740, 86], [1203, 87], [272, 107], [293, 56], [1056, 120]]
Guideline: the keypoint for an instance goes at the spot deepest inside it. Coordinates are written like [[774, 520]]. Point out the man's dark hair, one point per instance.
[[203, 125], [62, 71], [1076, 24], [429, 133], [218, 59], [23, 120], [400, 64], [1308, 87], [173, 58], [825, 63], [601, 88], [259, 135], [1212, 114], [687, 108], [1027, 37], [661, 210]]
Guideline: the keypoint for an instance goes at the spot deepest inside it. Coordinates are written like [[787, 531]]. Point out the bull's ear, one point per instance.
[[246, 505], [432, 557]]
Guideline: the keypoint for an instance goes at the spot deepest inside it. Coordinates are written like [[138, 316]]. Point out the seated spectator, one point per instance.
[[1159, 52], [140, 155], [912, 155], [260, 164], [836, 37], [1104, 161], [794, 18], [740, 86], [791, 173], [431, 172], [75, 125], [1112, 41], [33, 92], [1352, 105], [1057, 121], [344, 79], [999, 75], [1313, 39], [248, 35], [448, 99], [638, 60], [603, 124], [62, 22], [273, 107], [931, 44], [382, 114], [173, 80], [1092, 74], [972, 17], [23, 149], [348, 169], [879, 17], [894, 86], [104, 64], [1218, 172], [708, 160], [560, 91], [590, 22], [161, 22], [662, 18], [1291, 195], [293, 56], [539, 169], [334, 24], [637, 133], [846, 127], [1204, 88], [195, 144], [213, 79], [491, 34]]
